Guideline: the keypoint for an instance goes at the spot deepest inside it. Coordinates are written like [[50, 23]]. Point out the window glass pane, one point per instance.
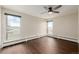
[[50, 27], [13, 28], [13, 21]]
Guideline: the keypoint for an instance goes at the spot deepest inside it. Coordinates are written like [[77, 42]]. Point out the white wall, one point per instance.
[[34, 26], [0, 26], [78, 25], [66, 26], [30, 26]]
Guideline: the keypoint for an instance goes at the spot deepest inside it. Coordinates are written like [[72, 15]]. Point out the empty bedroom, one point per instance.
[[39, 29]]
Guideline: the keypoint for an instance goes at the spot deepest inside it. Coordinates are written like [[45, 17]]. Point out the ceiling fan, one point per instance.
[[51, 9]]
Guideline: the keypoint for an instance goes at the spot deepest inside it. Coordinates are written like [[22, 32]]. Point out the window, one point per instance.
[[50, 28], [13, 27]]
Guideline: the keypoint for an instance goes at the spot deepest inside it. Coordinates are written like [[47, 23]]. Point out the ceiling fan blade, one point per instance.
[[56, 11], [46, 8], [57, 7]]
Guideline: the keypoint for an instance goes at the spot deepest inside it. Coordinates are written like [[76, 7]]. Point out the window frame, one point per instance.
[[7, 22]]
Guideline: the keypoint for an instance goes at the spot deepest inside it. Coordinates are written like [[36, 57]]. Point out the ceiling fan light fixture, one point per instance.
[[50, 12]]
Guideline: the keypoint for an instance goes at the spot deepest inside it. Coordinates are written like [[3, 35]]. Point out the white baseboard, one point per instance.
[[66, 38], [21, 40], [34, 37], [13, 42]]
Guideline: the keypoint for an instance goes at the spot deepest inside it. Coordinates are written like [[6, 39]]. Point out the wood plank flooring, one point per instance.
[[44, 45]]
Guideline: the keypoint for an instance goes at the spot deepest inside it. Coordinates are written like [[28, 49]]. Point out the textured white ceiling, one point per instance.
[[36, 10]]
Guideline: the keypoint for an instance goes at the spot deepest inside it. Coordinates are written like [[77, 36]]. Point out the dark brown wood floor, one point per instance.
[[44, 45]]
